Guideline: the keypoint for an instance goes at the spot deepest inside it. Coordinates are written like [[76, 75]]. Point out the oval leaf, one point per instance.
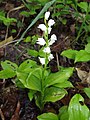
[[53, 94], [82, 56], [48, 116], [69, 53], [59, 77], [77, 109]]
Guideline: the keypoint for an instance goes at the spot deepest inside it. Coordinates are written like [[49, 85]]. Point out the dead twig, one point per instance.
[[2, 115]]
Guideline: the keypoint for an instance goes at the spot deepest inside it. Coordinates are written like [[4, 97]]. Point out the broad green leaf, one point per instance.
[[9, 65], [32, 52], [7, 73], [82, 56], [34, 79], [77, 109], [53, 94], [22, 76], [69, 53], [63, 113], [31, 80], [83, 5], [65, 84], [87, 48], [87, 91], [27, 65], [45, 8], [9, 70], [58, 77], [48, 116]]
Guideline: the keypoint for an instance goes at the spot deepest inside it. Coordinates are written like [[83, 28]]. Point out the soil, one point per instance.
[[14, 102]]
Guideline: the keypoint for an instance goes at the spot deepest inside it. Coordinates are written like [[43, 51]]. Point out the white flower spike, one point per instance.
[[41, 41], [51, 22], [47, 14], [47, 50], [42, 27], [42, 60]]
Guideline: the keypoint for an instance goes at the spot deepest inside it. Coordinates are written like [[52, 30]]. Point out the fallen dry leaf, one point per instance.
[[2, 43], [83, 75]]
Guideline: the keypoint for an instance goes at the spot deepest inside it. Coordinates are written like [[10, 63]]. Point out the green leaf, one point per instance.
[[7, 73], [83, 5], [82, 56], [22, 76], [65, 84], [27, 65], [87, 48], [48, 116], [53, 94], [69, 53], [87, 91], [27, 39], [25, 13], [58, 77], [13, 31], [41, 53], [9, 65], [8, 21], [34, 79], [9, 70], [32, 52], [31, 79], [31, 94], [77, 109], [63, 113]]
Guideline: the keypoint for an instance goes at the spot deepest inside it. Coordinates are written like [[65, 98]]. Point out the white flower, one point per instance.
[[42, 27], [47, 14], [51, 22], [50, 57], [42, 60], [47, 50], [41, 41], [49, 30], [52, 39]]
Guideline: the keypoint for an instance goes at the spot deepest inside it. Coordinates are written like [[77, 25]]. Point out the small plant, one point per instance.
[[6, 20], [78, 56], [43, 85], [76, 110]]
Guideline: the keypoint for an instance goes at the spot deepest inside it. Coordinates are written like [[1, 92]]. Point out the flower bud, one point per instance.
[[47, 14]]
